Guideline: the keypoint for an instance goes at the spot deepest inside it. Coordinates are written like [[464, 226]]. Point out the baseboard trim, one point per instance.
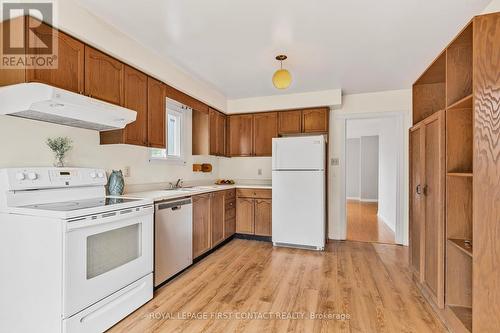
[[368, 200], [384, 219], [361, 199], [253, 237]]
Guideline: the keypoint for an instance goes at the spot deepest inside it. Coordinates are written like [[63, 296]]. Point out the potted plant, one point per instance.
[[60, 146]]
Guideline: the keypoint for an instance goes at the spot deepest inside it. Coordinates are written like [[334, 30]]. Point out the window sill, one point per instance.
[[168, 160]]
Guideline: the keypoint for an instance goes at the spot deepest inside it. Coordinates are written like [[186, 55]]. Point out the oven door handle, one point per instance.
[[110, 217]]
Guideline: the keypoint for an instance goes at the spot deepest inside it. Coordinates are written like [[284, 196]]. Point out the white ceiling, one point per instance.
[[359, 46]]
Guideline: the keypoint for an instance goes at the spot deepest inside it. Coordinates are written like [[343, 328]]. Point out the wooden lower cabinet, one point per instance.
[[254, 212], [245, 213], [217, 209], [213, 220], [263, 217], [201, 224]]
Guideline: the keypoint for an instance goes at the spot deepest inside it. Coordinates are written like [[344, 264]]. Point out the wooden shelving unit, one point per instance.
[[454, 177], [429, 91], [459, 174], [459, 180], [464, 314], [464, 245]]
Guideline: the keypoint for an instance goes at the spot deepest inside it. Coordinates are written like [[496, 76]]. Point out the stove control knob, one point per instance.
[[32, 176], [20, 176], [101, 175], [93, 175]]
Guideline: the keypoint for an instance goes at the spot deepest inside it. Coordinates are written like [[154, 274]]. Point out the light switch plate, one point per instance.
[[335, 161]]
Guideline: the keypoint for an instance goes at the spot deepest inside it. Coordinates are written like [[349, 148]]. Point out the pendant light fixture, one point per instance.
[[282, 77]]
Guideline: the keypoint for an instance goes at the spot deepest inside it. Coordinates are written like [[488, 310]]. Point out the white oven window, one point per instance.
[[112, 249]]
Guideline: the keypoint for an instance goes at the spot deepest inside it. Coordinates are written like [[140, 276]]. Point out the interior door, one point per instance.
[[417, 203], [434, 160]]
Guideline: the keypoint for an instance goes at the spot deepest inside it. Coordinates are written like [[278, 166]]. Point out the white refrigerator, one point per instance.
[[299, 204]]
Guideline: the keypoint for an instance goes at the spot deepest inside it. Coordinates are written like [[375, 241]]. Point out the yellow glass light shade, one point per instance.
[[282, 79]]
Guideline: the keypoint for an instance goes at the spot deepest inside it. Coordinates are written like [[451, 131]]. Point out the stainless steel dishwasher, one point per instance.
[[173, 238]]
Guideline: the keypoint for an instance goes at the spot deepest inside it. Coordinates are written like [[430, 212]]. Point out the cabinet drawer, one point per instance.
[[253, 193], [230, 213]]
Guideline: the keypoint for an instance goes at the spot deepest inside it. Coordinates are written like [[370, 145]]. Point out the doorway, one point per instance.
[[371, 162]]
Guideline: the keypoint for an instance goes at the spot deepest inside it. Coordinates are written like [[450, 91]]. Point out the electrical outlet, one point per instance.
[[335, 161], [126, 171], [259, 172]]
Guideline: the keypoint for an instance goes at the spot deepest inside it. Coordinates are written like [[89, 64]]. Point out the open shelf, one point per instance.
[[464, 314], [459, 67], [459, 174], [463, 245], [429, 91], [464, 103], [459, 140], [459, 208]]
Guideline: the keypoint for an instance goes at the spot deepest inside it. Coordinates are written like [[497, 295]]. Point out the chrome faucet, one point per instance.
[[177, 184]]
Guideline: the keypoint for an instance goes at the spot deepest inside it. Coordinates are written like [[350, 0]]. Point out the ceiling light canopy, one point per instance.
[[282, 77]]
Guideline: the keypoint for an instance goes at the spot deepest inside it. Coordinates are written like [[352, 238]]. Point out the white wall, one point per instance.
[[388, 159], [493, 7], [353, 172], [380, 104], [332, 98], [246, 168], [369, 168]]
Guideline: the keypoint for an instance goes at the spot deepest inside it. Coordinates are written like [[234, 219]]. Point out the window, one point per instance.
[[175, 134]]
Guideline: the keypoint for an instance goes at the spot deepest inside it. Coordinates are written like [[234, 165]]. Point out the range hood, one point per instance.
[[42, 102]]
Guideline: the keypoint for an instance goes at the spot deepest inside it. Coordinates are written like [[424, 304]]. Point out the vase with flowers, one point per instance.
[[60, 147]]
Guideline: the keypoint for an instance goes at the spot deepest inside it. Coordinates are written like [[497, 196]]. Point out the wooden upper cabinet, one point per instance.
[[240, 137], [136, 98], [265, 128], [289, 122], [69, 74], [201, 224], [315, 120], [103, 76], [10, 76], [217, 219], [156, 113], [217, 135]]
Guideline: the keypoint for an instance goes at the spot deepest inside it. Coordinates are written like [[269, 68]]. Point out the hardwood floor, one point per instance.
[[364, 225], [369, 284]]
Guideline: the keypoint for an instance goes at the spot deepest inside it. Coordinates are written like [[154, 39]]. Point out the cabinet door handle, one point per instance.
[[418, 190]]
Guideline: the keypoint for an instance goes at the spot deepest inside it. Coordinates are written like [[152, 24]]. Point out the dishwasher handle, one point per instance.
[[174, 205]]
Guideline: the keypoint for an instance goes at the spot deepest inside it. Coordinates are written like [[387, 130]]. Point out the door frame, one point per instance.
[[402, 221]]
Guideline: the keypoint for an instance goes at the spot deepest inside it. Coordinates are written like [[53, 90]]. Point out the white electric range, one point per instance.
[[72, 258]]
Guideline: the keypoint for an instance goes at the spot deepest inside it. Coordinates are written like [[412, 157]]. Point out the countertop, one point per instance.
[[161, 195]]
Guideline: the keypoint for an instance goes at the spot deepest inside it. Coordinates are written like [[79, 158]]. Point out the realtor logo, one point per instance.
[[26, 41]]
